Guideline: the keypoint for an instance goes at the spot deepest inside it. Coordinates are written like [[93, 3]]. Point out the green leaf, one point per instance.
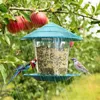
[[6, 21], [98, 31], [29, 1], [98, 9], [97, 12], [3, 8], [80, 2], [75, 3], [55, 19], [93, 9], [98, 6], [13, 59], [9, 16], [3, 72], [95, 22], [7, 40], [25, 15], [86, 6]]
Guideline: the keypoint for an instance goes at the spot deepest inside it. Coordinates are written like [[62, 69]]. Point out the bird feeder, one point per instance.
[[51, 44]]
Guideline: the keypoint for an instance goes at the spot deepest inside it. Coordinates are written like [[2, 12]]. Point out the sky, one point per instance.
[[93, 2]]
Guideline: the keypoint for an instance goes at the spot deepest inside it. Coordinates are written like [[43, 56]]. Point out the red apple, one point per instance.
[[27, 25], [20, 23], [38, 19], [71, 43], [15, 26]]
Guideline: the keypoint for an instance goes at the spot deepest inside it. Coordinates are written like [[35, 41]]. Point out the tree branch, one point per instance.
[[27, 9], [21, 9], [48, 10], [90, 17]]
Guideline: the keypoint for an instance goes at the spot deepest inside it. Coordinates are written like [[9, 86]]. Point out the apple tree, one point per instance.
[[20, 17]]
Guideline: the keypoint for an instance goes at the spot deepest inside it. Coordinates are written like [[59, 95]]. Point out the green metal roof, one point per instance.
[[52, 30]]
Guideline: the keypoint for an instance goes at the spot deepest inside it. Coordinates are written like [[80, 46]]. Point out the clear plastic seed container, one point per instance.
[[52, 55]]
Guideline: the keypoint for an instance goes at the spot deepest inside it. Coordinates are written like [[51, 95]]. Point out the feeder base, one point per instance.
[[55, 78]]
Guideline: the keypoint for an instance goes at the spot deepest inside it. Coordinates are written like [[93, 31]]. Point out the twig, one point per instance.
[[90, 17]]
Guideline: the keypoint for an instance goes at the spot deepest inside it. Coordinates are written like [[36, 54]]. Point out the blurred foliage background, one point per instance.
[[71, 14]]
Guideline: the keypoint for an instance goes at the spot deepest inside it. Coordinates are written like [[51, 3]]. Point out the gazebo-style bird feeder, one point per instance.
[[51, 43]]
